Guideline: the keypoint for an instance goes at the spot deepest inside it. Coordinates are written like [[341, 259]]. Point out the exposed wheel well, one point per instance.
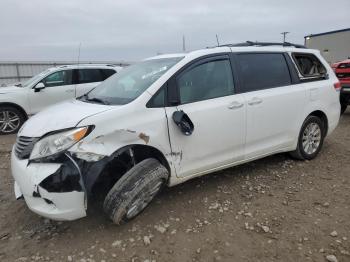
[[142, 152], [19, 108], [123, 160], [323, 117]]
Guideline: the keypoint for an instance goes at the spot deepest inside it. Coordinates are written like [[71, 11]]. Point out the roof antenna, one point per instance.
[[217, 39]]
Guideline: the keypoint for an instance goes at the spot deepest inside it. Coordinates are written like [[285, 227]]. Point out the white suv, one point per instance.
[[171, 118], [53, 85]]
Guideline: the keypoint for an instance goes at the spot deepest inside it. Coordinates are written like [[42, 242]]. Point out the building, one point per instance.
[[334, 45]]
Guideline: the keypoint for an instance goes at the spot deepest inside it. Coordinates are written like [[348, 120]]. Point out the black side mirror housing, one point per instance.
[[39, 86], [183, 121]]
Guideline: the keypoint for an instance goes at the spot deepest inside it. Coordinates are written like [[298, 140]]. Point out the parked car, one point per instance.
[[54, 85], [342, 71], [171, 118]]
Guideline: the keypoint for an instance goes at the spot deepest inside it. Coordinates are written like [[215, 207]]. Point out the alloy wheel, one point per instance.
[[9, 121], [311, 138]]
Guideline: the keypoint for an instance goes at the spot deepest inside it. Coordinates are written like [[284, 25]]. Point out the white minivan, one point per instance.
[[171, 118], [51, 86]]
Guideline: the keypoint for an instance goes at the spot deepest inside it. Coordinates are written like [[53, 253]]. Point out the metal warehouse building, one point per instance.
[[334, 45]]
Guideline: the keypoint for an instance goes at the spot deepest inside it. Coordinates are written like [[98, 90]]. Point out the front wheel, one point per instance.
[[11, 120], [310, 139], [132, 193]]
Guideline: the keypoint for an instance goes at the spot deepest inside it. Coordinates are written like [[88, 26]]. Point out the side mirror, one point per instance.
[[39, 86], [182, 120]]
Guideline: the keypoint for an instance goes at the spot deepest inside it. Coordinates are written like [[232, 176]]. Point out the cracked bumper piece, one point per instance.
[[53, 205]]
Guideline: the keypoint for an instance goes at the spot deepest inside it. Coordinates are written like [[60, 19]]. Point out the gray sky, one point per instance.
[[131, 30]]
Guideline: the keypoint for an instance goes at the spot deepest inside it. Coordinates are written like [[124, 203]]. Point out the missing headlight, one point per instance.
[[65, 179]]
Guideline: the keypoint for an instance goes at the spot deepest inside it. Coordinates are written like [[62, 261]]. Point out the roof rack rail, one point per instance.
[[251, 43], [113, 65]]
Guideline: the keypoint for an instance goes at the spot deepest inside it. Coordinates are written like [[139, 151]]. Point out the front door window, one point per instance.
[[59, 78]]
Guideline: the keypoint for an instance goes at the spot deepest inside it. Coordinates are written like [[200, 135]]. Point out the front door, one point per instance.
[[58, 87], [206, 92]]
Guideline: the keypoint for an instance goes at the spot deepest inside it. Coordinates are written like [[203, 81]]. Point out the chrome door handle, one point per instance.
[[235, 105], [69, 91], [255, 101]]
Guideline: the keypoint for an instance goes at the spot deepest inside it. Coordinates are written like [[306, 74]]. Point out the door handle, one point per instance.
[[235, 105], [255, 101], [69, 91]]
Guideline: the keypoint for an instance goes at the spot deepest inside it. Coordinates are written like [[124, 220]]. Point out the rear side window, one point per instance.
[[59, 78], [262, 71], [89, 76], [107, 73], [205, 81], [309, 66]]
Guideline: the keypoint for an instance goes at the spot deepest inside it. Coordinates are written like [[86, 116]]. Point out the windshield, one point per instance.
[[35, 78], [130, 82]]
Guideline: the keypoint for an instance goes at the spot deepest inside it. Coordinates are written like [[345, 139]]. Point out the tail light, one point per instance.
[[337, 86]]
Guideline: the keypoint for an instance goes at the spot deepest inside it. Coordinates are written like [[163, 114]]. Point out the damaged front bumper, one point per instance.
[[36, 183]]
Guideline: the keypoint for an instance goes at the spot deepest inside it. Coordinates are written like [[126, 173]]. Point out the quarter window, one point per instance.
[[263, 71], [59, 78], [107, 73], [89, 76], [158, 100], [205, 81], [309, 66]]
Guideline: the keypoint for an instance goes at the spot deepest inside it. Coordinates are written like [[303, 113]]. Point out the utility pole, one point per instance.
[[183, 43], [217, 39], [79, 53], [284, 36]]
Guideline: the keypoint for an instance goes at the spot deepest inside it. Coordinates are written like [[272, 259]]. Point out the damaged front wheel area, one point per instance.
[[132, 193]]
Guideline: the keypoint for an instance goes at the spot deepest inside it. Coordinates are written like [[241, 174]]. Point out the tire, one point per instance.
[[11, 120], [343, 109], [132, 193], [311, 151]]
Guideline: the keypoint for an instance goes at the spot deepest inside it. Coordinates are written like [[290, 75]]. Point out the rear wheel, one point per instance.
[[132, 193], [11, 120], [311, 138]]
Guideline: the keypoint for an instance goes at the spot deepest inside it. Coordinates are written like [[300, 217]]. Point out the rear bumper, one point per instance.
[[333, 115], [53, 205], [333, 123]]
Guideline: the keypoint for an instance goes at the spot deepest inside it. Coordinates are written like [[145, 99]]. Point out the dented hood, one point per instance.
[[60, 116]]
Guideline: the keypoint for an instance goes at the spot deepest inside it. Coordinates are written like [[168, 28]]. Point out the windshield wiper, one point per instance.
[[83, 97], [98, 100], [86, 97]]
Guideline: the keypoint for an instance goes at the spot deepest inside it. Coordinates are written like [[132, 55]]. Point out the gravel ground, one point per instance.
[[273, 209]]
